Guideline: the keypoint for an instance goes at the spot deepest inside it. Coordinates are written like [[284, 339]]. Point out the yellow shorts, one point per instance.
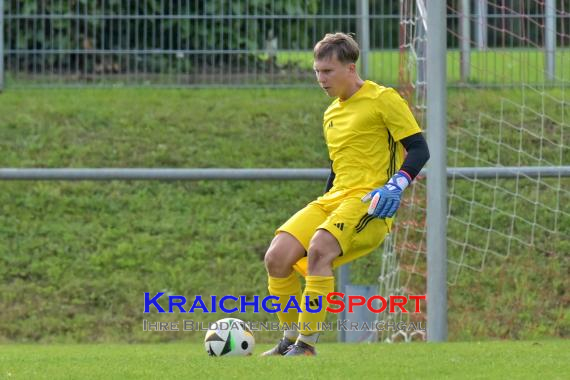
[[345, 216]]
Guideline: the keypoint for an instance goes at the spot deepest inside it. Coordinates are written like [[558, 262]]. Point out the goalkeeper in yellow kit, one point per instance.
[[367, 129]]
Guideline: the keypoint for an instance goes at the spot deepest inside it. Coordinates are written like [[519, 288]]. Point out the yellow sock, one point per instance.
[[284, 288], [316, 286]]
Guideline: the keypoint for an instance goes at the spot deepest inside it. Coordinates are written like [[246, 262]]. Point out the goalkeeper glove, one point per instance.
[[386, 199]]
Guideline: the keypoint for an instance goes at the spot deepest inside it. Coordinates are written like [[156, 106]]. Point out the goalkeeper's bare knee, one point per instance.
[[284, 251], [324, 248]]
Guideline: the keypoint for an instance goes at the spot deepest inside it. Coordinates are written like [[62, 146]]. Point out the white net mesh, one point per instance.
[[508, 107]]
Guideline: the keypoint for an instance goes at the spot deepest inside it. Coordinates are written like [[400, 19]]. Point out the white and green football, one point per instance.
[[229, 337]]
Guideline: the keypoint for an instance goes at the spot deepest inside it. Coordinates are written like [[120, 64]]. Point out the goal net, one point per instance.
[[508, 232]]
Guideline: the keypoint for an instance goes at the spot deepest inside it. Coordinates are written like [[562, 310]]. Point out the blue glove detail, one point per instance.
[[386, 199]]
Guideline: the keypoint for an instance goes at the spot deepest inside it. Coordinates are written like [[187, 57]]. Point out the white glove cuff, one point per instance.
[[399, 180]]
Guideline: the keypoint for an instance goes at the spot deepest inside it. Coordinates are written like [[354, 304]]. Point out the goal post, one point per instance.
[[508, 85], [436, 123]]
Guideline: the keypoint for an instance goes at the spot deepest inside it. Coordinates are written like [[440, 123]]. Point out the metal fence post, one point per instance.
[[481, 24], [1, 45], [436, 221], [550, 39], [342, 281], [465, 24], [364, 35]]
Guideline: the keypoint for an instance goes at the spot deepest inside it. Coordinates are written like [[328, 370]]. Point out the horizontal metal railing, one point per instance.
[[106, 174]]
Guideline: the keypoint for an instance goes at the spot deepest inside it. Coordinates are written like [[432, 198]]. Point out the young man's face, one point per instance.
[[334, 76]]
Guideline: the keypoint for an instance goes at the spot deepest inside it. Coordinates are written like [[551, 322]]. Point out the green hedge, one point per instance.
[[74, 33]]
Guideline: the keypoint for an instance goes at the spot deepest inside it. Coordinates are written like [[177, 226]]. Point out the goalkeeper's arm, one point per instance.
[[386, 199]]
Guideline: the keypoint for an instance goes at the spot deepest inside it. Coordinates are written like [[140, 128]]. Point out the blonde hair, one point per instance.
[[342, 45]]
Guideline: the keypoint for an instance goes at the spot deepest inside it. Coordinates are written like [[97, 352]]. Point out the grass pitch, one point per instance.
[[77, 257], [477, 360]]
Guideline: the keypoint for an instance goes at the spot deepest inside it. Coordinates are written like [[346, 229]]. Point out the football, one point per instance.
[[229, 337]]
